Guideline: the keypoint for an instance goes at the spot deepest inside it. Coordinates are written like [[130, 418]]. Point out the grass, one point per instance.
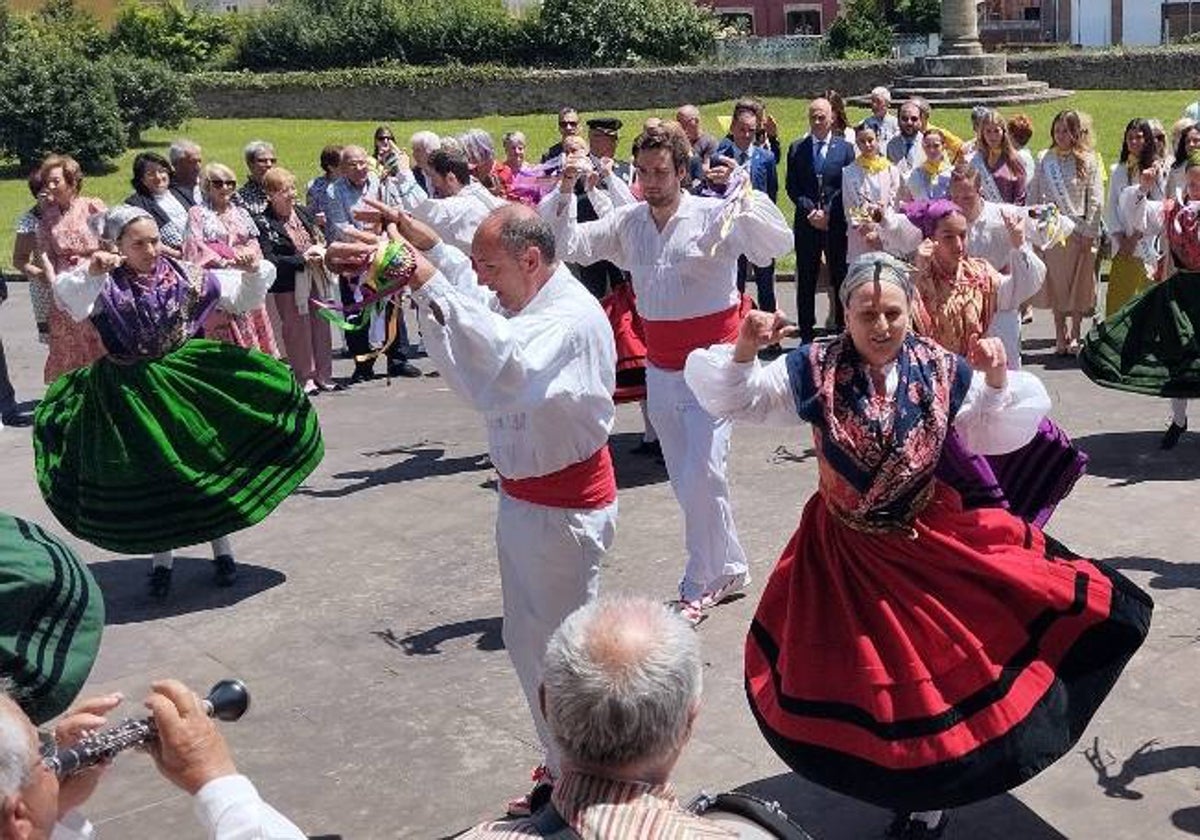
[[298, 142]]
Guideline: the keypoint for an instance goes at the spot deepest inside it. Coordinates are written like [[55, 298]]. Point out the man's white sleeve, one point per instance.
[[230, 808]]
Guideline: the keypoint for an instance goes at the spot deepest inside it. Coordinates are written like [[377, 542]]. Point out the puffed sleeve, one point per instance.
[[747, 391], [242, 291], [759, 230], [993, 421], [76, 291]]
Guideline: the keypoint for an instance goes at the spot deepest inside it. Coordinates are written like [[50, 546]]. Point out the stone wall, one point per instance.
[[544, 91]]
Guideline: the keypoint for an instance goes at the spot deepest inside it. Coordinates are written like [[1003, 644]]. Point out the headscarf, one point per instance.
[[121, 217], [926, 214], [876, 266]]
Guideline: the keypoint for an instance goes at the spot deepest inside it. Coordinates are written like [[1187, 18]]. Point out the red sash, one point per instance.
[[669, 342], [587, 485]]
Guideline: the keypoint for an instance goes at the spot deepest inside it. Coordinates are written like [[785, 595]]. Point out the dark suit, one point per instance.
[[599, 277], [764, 177], [810, 190]]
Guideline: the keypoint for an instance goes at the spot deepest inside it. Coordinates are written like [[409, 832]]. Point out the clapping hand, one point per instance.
[[987, 356], [1016, 228], [761, 329]]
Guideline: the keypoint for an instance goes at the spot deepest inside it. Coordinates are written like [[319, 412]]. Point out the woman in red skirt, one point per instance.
[[908, 651]]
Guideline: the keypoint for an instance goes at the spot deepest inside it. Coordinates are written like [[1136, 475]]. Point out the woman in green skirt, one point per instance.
[[1149, 346], [169, 440]]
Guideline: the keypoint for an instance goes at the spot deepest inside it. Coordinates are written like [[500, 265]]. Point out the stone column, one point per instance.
[[960, 28]]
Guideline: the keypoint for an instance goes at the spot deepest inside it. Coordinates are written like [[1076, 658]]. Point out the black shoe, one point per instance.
[[363, 372], [648, 448], [15, 419], [904, 827], [160, 582], [1172, 435], [405, 368], [226, 570]]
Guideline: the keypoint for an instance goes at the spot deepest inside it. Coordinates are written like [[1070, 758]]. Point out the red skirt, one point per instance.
[[621, 308], [929, 672]]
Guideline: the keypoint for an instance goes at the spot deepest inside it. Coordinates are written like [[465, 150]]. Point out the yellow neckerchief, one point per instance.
[[935, 168], [873, 165]]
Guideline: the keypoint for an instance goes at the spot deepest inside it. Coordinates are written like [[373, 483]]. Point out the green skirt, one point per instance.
[[1150, 345], [174, 451]]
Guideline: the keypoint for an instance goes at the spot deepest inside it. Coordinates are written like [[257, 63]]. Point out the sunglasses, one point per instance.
[[230, 184], [384, 137], [568, 123]]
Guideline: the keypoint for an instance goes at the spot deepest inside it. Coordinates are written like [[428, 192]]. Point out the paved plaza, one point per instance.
[[366, 624]]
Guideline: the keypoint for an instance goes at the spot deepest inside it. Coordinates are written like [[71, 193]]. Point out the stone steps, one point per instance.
[[964, 81], [996, 80]]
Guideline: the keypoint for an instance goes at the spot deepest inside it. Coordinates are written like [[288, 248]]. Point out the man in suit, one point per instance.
[[740, 149], [814, 183], [904, 149]]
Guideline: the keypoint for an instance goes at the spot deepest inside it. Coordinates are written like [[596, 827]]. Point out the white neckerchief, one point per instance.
[[1057, 181], [987, 184]]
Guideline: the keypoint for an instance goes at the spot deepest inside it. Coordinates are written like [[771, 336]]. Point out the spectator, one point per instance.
[[66, 234], [513, 165], [1001, 169], [568, 126], [260, 157], [386, 155], [620, 693], [316, 196], [704, 146], [814, 183], [1189, 142], [291, 240], [881, 122], [739, 149], [26, 258], [153, 193], [904, 149], [186, 159], [1020, 131], [481, 156], [841, 123], [423, 144], [930, 180]]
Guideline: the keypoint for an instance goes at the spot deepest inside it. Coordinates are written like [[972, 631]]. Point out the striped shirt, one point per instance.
[[608, 809]]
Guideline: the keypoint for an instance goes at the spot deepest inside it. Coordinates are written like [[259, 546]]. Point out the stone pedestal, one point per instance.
[[960, 28]]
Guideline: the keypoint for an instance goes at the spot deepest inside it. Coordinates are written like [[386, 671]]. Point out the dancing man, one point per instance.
[[531, 349], [682, 252]]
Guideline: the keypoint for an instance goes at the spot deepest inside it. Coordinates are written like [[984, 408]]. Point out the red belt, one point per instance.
[[669, 342], [587, 485]]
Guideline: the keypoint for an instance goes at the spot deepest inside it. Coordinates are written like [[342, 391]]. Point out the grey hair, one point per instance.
[[15, 752], [622, 678], [254, 147], [179, 148], [883, 93], [876, 267], [426, 141], [478, 145], [514, 137], [520, 231]]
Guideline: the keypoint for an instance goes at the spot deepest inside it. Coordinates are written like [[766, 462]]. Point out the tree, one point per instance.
[[861, 32], [917, 16], [149, 93]]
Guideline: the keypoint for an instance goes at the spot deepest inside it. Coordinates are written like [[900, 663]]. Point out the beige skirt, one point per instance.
[[1070, 286]]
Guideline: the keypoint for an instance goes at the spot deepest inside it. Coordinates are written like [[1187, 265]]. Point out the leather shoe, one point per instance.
[[403, 367], [15, 419], [1172, 435], [362, 373], [225, 571]]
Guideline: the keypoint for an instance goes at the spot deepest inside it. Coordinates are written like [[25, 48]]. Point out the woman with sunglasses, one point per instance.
[[221, 234]]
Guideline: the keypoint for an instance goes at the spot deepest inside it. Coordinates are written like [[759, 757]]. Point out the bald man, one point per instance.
[[519, 338], [814, 183]]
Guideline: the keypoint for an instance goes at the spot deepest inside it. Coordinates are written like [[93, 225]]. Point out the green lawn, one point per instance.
[[299, 142]]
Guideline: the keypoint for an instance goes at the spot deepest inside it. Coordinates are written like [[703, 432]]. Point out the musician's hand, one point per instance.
[[987, 356], [760, 329], [189, 751], [80, 720]]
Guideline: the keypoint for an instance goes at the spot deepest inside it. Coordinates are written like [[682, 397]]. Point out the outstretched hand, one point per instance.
[[760, 329]]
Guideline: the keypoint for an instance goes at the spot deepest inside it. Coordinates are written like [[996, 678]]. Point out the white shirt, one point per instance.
[[992, 421], [542, 377], [690, 268], [456, 217], [1114, 215], [229, 808]]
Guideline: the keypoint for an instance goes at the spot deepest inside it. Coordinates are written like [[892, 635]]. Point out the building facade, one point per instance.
[[778, 17]]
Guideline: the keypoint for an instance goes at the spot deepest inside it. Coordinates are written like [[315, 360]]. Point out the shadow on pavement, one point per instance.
[[634, 470], [1147, 760], [1167, 575], [427, 642], [422, 462], [827, 815], [1134, 457], [127, 599]]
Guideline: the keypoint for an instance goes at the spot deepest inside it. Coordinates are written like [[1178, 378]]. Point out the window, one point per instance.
[[743, 22], [1033, 13], [803, 22]]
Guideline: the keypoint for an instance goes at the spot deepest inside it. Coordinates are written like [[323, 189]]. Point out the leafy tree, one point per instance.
[[52, 101], [71, 26], [918, 16], [861, 32], [149, 93], [185, 39]]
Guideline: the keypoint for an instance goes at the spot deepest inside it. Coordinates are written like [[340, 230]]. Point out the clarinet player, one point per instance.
[[190, 753]]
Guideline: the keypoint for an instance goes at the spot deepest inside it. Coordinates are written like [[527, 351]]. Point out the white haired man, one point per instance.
[[423, 144], [884, 124], [190, 753], [186, 158], [620, 691]]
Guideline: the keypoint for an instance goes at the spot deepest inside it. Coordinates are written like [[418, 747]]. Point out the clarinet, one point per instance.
[[227, 700]]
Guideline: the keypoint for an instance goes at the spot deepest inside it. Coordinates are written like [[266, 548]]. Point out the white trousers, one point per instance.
[[695, 446], [549, 565]]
